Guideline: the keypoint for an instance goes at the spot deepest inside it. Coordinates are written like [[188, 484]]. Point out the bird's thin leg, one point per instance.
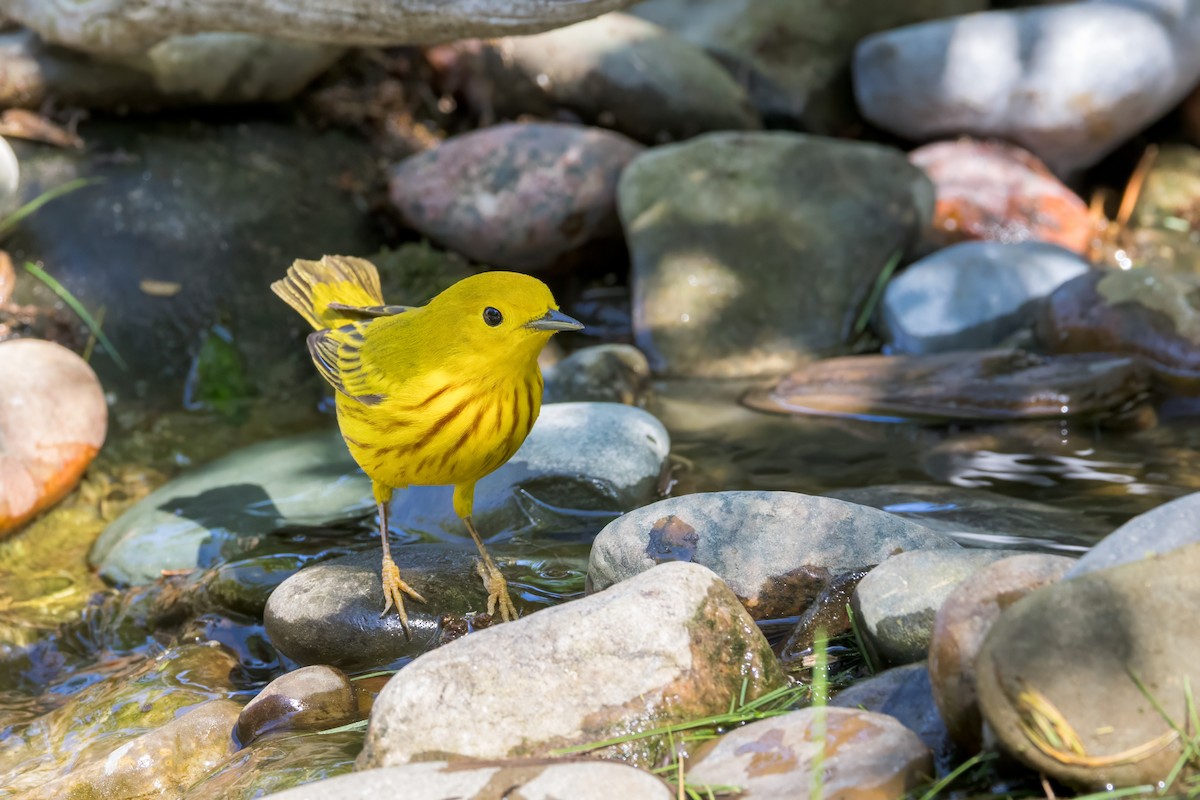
[[497, 586], [394, 588]]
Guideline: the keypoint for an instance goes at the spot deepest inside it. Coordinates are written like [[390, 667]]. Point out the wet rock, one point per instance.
[[670, 645], [827, 616], [53, 419], [518, 196], [243, 586], [1158, 531], [793, 54], [1069, 82], [997, 192], [582, 465], [129, 28], [904, 693], [1153, 315], [1190, 112], [993, 385], [1071, 652], [972, 295], [219, 510], [329, 613], [616, 71], [817, 218], [775, 550], [210, 207], [308, 699], [530, 779], [169, 758], [278, 763], [115, 711], [981, 518], [864, 754], [896, 603], [961, 625], [606, 373]]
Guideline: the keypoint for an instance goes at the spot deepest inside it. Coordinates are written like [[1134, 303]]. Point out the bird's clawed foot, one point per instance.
[[497, 586], [394, 589]]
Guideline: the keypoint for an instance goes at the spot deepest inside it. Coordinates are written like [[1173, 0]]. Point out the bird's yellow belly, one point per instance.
[[454, 436]]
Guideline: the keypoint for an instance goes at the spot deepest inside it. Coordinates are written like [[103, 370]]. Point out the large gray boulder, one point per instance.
[[754, 251]]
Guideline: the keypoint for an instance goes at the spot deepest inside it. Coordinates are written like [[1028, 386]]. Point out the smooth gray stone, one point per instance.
[[972, 295]]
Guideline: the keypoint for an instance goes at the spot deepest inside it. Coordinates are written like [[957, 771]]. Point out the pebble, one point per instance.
[[1071, 652], [1160, 530], [606, 373], [616, 71], [529, 779], [817, 218], [960, 626], [998, 192], [896, 603], [972, 295], [862, 754], [329, 613], [1069, 82], [516, 196], [776, 550], [53, 420], [1146, 313], [994, 385], [672, 644], [307, 699]]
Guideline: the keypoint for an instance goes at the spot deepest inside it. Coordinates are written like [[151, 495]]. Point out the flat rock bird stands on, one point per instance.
[[441, 394]]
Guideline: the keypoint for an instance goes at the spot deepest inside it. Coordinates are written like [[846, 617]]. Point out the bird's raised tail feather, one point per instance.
[[311, 287]]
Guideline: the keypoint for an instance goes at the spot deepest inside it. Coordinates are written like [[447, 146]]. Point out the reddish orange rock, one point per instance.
[[997, 192], [53, 419]]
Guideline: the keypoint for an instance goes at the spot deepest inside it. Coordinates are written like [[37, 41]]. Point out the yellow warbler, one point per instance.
[[440, 394]]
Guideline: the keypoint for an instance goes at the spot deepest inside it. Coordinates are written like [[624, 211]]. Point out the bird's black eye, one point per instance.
[[492, 316]]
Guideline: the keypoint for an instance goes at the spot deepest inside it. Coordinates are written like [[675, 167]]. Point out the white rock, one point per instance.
[[1070, 82]]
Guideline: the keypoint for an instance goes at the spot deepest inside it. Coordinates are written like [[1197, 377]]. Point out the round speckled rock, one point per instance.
[[518, 196], [776, 550]]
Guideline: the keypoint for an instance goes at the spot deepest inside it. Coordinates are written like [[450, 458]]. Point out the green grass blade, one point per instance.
[[352, 726], [78, 308], [12, 220], [941, 785], [864, 316]]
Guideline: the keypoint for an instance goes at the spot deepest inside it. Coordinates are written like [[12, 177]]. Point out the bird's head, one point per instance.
[[503, 311]]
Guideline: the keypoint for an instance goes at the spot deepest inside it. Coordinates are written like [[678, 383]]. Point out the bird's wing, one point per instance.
[[337, 352], [368, 312]]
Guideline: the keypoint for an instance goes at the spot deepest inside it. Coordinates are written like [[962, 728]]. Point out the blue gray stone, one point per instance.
[[972, 295], [770, 547]]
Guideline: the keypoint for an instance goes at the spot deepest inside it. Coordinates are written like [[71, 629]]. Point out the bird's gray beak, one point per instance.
[[555, 321]]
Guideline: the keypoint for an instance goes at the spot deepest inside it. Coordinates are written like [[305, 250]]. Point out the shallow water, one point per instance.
[[1105, 476]]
